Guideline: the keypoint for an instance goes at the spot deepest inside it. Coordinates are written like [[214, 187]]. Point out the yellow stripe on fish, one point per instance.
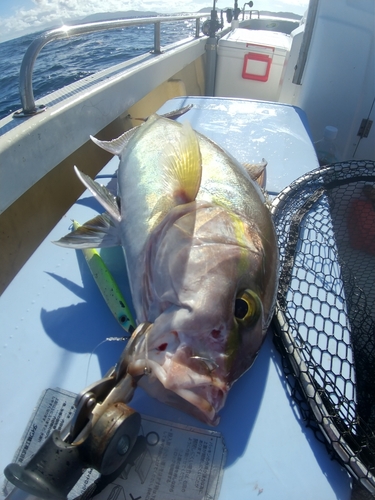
[[240, 234]]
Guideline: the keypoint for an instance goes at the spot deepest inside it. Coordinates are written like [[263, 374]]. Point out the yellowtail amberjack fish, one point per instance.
[[201, 256]]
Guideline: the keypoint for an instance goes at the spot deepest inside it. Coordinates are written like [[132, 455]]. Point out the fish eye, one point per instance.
[[247, 307]]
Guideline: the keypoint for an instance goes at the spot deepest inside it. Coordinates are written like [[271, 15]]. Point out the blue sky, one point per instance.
[[18, 17]]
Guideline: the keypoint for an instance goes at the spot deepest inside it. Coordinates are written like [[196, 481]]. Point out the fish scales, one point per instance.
[[202, 261]]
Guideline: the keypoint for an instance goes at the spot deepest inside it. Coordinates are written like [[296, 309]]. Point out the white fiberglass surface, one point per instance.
[[53, 318]]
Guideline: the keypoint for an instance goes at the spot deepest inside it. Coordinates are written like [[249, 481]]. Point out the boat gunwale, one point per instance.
[[96, 107], [67, 31]]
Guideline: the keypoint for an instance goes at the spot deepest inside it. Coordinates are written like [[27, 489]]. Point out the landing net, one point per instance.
[[325, 315]]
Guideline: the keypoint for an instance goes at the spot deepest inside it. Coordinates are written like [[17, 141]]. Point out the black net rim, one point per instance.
[[315, 406]]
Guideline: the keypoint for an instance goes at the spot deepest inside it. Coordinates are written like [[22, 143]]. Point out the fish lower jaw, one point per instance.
[[208, 407], [202, 397]]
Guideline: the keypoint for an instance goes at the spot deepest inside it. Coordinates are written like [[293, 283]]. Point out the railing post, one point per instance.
[[197, 27], [211, 56], [157, 47]]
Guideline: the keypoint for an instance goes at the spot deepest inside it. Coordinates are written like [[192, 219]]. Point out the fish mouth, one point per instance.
[[176, 375]]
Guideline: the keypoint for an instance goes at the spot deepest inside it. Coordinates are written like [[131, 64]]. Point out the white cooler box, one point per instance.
[[250, 64]]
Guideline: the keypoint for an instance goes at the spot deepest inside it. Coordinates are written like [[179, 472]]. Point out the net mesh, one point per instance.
[[325, 315]]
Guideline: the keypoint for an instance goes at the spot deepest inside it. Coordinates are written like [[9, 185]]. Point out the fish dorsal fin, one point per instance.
[[116, 146], [101, 193], [257, 172], [172, 115], [176, 113], [99, 232], [183, 166]]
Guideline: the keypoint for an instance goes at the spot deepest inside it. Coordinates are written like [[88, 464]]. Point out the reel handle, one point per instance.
[[57, 466]]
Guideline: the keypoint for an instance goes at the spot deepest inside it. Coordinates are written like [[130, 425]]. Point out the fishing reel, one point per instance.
[[102, 435], [212, 25]]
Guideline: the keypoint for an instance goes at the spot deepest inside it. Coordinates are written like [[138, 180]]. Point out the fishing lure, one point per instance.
[[108, 287]]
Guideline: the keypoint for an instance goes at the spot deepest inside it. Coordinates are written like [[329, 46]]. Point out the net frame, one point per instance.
[[311, 218]]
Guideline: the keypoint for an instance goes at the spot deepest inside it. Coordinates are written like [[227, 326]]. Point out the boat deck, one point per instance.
[[55, 321]]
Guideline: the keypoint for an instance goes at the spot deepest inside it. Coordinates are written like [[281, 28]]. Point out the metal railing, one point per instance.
[[254, 13], [27, 66]]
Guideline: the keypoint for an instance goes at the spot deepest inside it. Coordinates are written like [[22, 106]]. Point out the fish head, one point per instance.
[[205, 289]]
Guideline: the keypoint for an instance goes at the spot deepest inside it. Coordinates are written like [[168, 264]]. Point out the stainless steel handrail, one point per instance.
[[254, 12], [27, 66]]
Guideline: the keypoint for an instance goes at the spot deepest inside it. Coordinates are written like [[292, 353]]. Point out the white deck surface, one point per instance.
[[53, 317]]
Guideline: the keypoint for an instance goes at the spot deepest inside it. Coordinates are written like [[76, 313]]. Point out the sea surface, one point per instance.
[[62, 62]]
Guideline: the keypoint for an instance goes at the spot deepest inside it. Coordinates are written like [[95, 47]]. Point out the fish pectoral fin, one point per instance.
[[98, 232], [101, 193], [116, 146], [164, 205], [183, 166], [257, 172]]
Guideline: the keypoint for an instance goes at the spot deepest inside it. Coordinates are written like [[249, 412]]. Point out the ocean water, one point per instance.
[[65, 61]]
